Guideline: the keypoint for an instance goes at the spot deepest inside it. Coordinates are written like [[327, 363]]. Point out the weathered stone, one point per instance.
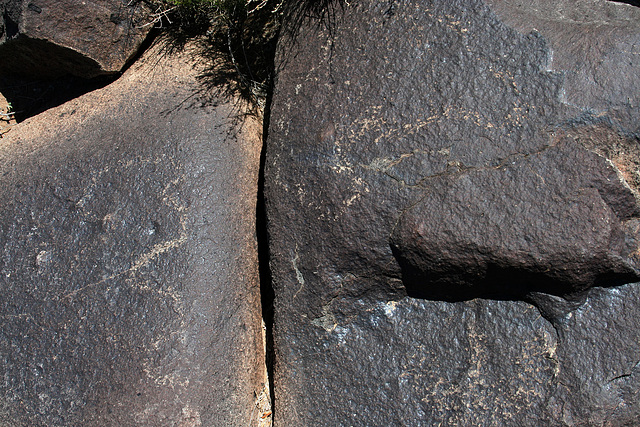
[[478, 362], [443, 151], [51, 38], [128, 266], [553, 221]]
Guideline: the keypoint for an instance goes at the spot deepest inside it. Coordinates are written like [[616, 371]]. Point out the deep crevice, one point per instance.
[[553, 298], [294, 16], [29, 97], [267, 294], [11, 27]]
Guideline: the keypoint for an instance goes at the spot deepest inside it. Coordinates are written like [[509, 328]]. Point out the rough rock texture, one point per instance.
[[128, 265], [445, 151], [50, 38]]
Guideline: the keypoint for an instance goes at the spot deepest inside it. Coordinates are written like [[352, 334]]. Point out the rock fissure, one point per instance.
[[267, 294], [486, 279], [629, 2], [625, 375]]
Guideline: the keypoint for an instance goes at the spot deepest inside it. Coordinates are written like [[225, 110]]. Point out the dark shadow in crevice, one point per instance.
[[554, 298], [631, 2], [30, 96], [267, 294], [11, 28], [496, 283], [147, 43]]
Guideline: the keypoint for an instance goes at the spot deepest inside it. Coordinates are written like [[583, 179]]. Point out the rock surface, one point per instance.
[[128, 266], [51, 38], [446, 151]]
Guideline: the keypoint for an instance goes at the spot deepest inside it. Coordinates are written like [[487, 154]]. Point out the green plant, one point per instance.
[[8, 114], [7, 117], [236, 38]]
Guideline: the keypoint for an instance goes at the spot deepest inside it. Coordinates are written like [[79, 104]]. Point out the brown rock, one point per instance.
[[128, 262], [50, 38], [447, 191]]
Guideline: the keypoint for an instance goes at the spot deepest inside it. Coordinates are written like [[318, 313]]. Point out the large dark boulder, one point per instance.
[[555, 221], [51, 38], [128, 261], [452, 198]]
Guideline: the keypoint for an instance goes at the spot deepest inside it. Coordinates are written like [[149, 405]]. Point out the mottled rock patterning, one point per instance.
[[128, 266], [480, 157]]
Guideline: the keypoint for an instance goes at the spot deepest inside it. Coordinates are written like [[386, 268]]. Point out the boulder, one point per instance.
[[128, 260], [452, 200], [51, 38]]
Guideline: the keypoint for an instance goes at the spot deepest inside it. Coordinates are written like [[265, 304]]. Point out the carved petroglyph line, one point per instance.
[[158, 249], [327, 321], [170, 199], [372, 123], [380, 164], [142, 261], [474, 391], [373, 126], [299, 276]]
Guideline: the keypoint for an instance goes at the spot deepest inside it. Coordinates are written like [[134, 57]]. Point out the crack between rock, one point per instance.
[[267, 294], [626, 374], [615, 408], [461, 170], [455, 168]]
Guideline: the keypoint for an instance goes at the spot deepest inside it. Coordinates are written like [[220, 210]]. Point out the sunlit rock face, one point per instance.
[[128, 260]]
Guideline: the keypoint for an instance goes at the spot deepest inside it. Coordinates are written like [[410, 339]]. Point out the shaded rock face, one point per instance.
[[441, 150], [50, 38], [128, 258]]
